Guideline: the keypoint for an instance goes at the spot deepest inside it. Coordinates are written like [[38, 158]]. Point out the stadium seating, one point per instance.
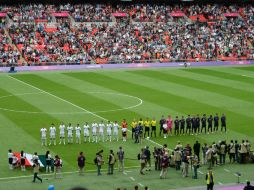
[[88, 33]]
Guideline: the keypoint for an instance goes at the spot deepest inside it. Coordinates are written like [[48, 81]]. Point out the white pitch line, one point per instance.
[[132, 178], [141, 185], [119, 94], [226, 170], [220, 183], [124, 173], [200, 172], [65, 113], [69, 172], [68, 102], [247, 76]]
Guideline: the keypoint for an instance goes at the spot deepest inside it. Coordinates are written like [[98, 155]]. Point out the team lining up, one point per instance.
[[190, 125]]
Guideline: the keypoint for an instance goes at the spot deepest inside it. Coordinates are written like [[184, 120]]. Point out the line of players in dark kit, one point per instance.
[[193, 125]]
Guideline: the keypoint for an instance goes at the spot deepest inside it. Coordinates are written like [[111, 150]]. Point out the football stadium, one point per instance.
[[127, 95]]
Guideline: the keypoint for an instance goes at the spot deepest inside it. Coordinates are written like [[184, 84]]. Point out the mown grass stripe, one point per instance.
[[197, 84], [147, 109], [63, 91], [108, 146], [237, 85], [162, 98], [206, 101], [221, 74], [195, 95], [245, 68]]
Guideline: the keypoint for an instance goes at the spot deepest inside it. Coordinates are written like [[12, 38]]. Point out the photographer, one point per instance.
[[195, 164], [164, 166], [142, 158], [120, 155], [215, 153], [186, 163], [178, 156], [209, 155], [58, 166], [36, 168], [81, 163], [99, 161], [223, 150], [196, 148], [148, 158], [156, 158], [231, 151], [111, 162]]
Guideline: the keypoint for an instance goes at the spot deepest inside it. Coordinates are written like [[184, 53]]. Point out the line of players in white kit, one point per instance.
[[96, 129]]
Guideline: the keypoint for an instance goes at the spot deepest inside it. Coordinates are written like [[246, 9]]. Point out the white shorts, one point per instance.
[[109, 133], [43, 138], [116, 133], [52, 136], [78, 136], [86, 134], [70, 135], [101, 134], [62, 135], [94, 133]]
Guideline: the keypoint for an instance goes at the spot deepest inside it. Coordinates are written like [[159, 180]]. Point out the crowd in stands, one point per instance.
[[28, 13], [138, 33], [8, 54]]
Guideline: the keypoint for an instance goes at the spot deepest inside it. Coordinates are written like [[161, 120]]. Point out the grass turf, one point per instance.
[[38, 99]]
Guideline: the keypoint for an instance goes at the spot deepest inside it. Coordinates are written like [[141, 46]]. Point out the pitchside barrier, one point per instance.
[[64, 66]]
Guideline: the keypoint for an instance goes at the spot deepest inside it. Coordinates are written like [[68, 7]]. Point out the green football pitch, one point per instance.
[[32, 100]]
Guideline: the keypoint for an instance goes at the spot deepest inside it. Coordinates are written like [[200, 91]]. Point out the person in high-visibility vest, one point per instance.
[[210, 180]]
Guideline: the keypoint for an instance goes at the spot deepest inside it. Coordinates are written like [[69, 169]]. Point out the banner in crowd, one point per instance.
[[231, 14], [177, 14], [118, 14], [60, 14], [29, 159], [2, 14], [40, 20]]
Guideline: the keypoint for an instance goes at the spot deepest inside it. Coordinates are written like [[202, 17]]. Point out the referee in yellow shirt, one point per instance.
[[134, 124], [153, 125], [141, 122], [147, 127]]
